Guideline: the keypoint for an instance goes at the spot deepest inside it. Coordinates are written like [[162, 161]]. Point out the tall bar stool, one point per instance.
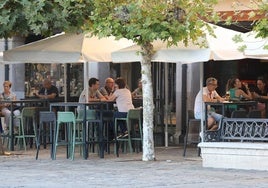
[[90, 116], [66, 119], [28, 114], [108, 123], [46, 118], [254, 114], [134, 130], [239, 114], [192, 122]]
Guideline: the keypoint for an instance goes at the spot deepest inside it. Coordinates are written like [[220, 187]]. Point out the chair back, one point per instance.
[[239, 114], [254, 114], [66, 117], [29, 112], [47, 116], [108, 115], [135, 113], [90, 114]]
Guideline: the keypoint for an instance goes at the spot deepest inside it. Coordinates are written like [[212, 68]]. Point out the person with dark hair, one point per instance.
[[208, 94], [93, 93], [260, 93], [137, 93], [237, 91], [234, 86], [8, 95], [123, 99]]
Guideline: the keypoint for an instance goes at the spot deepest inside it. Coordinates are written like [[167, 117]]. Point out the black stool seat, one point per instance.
[[192, 122]]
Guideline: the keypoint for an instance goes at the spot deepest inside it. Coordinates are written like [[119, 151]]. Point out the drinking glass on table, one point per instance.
[[227, 96]]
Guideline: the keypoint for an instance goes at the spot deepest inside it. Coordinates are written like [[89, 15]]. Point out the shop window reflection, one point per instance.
[[37, 72]]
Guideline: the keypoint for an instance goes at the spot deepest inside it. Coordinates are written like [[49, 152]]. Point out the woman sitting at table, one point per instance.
[[261, 93], [8, 95], [123, 99], [234, 86]]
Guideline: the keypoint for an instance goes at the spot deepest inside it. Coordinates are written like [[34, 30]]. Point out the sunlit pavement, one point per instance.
[[170, 169]]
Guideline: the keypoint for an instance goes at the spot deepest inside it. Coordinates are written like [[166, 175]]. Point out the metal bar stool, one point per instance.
[[192, 122], [134, 132], [46, 118], [90, 115], [25, 129], [108, 122], [68, 119]]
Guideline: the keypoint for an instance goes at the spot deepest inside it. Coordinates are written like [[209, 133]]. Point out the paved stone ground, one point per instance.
[[20, 169]]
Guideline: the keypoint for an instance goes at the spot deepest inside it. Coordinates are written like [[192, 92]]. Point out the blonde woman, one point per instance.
[[8, 95]]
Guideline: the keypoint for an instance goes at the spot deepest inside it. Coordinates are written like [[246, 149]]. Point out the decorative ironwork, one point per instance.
[[244, 129]]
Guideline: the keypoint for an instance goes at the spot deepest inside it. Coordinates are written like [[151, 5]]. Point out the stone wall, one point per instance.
[[235, 155]]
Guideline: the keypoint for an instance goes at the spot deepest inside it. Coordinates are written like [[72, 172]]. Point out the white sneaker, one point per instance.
[[5, 132]]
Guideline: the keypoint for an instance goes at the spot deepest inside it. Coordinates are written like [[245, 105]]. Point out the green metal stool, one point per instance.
[[25, 128], [90, 115], [134, 132], [67, 119]]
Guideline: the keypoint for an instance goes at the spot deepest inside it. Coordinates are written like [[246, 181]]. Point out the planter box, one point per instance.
[[235, 155]]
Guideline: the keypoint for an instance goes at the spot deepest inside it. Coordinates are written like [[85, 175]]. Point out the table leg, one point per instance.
[[84, 131], [266, 109], [11, 131], [101, 140]]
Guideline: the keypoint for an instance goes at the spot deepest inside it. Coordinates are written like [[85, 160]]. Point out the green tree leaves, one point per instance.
[[44, 17]]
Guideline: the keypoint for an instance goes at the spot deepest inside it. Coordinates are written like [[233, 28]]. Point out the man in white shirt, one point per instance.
[[208, 94]]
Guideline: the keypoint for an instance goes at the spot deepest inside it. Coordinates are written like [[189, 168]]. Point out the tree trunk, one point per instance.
[[148, 104], [2, 151]]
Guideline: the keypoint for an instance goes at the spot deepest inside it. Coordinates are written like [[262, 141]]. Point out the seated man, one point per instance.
[[93, 92], [208, 94], [137, 93], [108, 89], [48, 91]]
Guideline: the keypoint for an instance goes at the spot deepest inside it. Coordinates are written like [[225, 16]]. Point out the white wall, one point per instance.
[[99, 70]]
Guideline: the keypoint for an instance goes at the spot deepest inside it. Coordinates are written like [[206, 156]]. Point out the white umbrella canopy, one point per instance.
[[67, 48], [255, 46], [221, 47], [60, 48], [163, 53]]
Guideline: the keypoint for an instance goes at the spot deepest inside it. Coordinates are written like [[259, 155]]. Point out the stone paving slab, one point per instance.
[[20, 169]]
